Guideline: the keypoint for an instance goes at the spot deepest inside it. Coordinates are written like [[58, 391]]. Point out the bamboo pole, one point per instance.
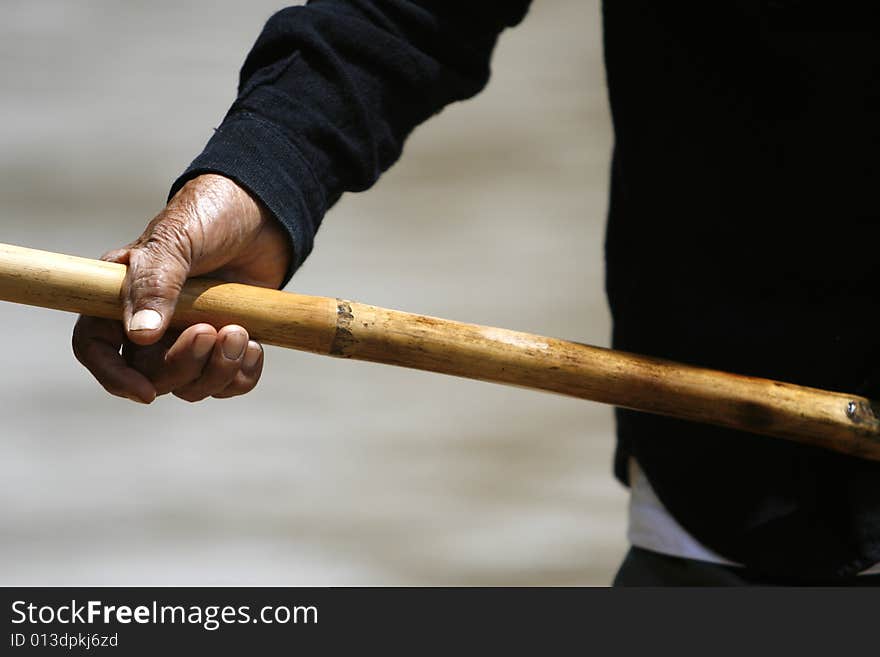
[[346, 329]]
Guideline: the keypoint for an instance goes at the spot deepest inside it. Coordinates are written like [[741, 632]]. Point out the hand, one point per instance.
[[211, 227]]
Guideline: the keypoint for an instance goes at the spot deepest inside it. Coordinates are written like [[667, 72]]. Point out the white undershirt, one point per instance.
[[652, 527]]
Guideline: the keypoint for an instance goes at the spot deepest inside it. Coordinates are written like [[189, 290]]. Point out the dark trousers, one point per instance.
[[646, 568]]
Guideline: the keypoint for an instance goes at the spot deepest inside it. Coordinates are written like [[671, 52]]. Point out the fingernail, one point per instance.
[[252, 355], [234, 344], [136, 399], [202, 345], [145, 320]]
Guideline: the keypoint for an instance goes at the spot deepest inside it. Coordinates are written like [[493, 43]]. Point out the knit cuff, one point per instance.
[[259, 157]]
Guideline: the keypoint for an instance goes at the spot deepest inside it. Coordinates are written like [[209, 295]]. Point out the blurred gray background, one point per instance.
[[494, 215]]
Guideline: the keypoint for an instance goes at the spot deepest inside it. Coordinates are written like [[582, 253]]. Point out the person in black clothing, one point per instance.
[[741, 235]]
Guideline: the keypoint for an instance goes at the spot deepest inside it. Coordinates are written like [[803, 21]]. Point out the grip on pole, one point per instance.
[[347, 329]]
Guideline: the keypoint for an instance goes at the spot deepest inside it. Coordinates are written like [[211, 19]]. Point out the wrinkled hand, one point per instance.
[[211, 227]]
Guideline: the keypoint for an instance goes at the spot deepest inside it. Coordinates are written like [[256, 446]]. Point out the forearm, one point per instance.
[[330, 92]]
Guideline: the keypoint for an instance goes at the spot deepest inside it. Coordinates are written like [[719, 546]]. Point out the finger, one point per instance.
[[116, 255], [150, 359], [184, 362], [158, 267], [249, 375], [96, 344], [225, 362]]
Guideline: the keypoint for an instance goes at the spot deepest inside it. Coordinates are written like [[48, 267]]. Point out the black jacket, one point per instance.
[[743, 222]]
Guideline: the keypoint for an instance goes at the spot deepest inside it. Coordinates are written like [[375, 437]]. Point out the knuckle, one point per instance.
[[231, 379], [160, 279], [171, 237], [167, 382], [220, 373], [163, 386], [115, 255], [228, 391], [113, 389], [216, 389], [241, 385], [249, 383], [190, 396]]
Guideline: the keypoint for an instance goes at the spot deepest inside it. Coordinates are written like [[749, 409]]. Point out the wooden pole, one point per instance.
[[346, 329]]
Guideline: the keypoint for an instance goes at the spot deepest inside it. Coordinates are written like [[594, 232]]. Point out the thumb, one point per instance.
[[157, 269]]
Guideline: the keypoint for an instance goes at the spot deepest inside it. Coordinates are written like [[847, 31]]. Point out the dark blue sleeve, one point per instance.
[[331, 90]]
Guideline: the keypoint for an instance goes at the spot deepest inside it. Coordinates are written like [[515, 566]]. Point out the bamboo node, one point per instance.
[[343, 339]]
